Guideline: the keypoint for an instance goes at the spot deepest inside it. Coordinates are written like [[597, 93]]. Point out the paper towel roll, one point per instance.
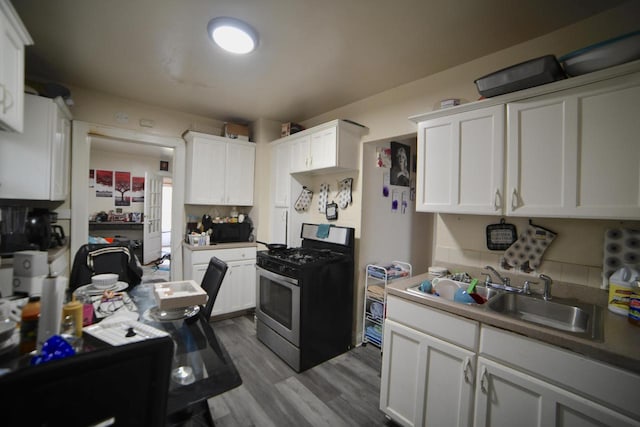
[[53, 290]]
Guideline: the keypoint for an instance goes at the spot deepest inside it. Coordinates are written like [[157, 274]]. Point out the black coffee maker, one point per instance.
[[38, 229], [13, 236]]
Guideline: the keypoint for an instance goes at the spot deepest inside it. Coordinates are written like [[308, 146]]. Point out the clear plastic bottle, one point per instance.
[[29, 325]]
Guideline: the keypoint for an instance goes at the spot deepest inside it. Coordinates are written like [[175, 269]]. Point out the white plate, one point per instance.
[[90, 289], [154, 313], [116, 333], [7, 328]]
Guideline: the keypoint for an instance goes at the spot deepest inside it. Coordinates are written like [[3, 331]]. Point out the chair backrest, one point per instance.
[[212, 281], [92, 259]]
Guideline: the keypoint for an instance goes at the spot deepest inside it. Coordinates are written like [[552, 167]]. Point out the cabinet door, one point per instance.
[[300, 153], [280, 172], [11, 77], [28, 151], [206, 171], [461, 163], [279, 225], [60, 145], [240, 172], [425, 381], [506, 396], [575, 153], [242, 285], [323, 149]]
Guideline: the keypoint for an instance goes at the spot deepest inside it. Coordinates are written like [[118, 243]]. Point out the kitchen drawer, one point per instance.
[[437, 323], [226, 255], [596, 380]]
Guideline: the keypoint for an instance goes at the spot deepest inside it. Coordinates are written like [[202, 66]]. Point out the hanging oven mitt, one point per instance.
[[323, 197], [344, 192], [526, 252], [304, 200]]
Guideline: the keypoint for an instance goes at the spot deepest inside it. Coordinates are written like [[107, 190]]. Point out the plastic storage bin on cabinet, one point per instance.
[[375, 298]]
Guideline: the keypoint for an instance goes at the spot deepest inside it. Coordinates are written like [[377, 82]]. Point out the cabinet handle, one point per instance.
[[484, 381], [514, 199], [496, 200], [466, 369], [7, 107]]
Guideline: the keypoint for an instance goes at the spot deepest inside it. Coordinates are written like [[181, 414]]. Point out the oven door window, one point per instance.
[[276, 301]]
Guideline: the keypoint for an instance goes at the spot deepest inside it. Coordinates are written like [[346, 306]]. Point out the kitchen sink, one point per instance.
[[584, 320], [484, 292]]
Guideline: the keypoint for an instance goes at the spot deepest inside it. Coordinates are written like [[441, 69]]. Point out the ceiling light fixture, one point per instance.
[[233, 35]]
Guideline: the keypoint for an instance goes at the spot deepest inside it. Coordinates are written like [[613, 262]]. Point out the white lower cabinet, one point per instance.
[[507, 396], [427, 381], [238, 290], [442, 369]]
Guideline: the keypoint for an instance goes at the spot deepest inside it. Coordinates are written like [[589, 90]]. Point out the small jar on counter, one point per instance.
[[29, 325]]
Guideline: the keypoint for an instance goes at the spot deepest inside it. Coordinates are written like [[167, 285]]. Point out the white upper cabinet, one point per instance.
[[44, 147], [461, 162], [572, 150], [220, 171], [13, 38], [576, 153], [327, 148]]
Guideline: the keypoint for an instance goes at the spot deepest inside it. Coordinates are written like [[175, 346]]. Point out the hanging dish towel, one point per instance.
[[304, 200], [323, 197], [344, 192], [323, 231], [526, 252]]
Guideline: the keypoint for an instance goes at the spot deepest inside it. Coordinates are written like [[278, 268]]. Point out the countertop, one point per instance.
[[620, 346], [52, 255], [220, 246]]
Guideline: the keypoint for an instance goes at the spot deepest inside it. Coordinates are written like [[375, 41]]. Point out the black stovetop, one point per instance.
[[300, 256]]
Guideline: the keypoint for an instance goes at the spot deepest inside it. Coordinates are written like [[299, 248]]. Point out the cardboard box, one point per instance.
[[236, 131], [184, 293], [290, 128]]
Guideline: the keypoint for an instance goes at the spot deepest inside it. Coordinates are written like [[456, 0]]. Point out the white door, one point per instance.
[[152, 236], [300, 153]]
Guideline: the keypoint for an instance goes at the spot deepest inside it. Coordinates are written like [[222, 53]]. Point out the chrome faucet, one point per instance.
[[547, 287], [505, 280]]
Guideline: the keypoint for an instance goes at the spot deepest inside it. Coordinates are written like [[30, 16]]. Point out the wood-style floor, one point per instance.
[[343, 391]]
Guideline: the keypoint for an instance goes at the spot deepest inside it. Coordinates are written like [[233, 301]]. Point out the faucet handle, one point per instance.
[[526, 288], [547, 286]]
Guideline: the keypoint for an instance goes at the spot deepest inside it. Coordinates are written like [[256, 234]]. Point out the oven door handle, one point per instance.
[[276, 277]]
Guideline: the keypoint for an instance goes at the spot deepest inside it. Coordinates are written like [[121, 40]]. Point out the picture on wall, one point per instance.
[[137, 189], [400, 155], [104, 183], [164, 165], [92, 178], [122, 186]]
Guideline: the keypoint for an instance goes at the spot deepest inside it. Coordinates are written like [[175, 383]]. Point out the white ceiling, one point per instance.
[[314, 55]]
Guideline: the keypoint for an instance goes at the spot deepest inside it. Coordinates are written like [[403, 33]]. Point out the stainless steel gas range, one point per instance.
[[304, 304]]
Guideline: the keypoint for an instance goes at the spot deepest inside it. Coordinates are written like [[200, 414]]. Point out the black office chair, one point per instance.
[[100, 258], [211, 283]]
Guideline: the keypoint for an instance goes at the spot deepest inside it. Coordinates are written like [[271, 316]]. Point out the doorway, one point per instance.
[[145, 218]]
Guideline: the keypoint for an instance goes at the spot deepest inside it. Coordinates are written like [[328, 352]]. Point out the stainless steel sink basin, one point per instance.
[[584, 320], [484, 292]]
